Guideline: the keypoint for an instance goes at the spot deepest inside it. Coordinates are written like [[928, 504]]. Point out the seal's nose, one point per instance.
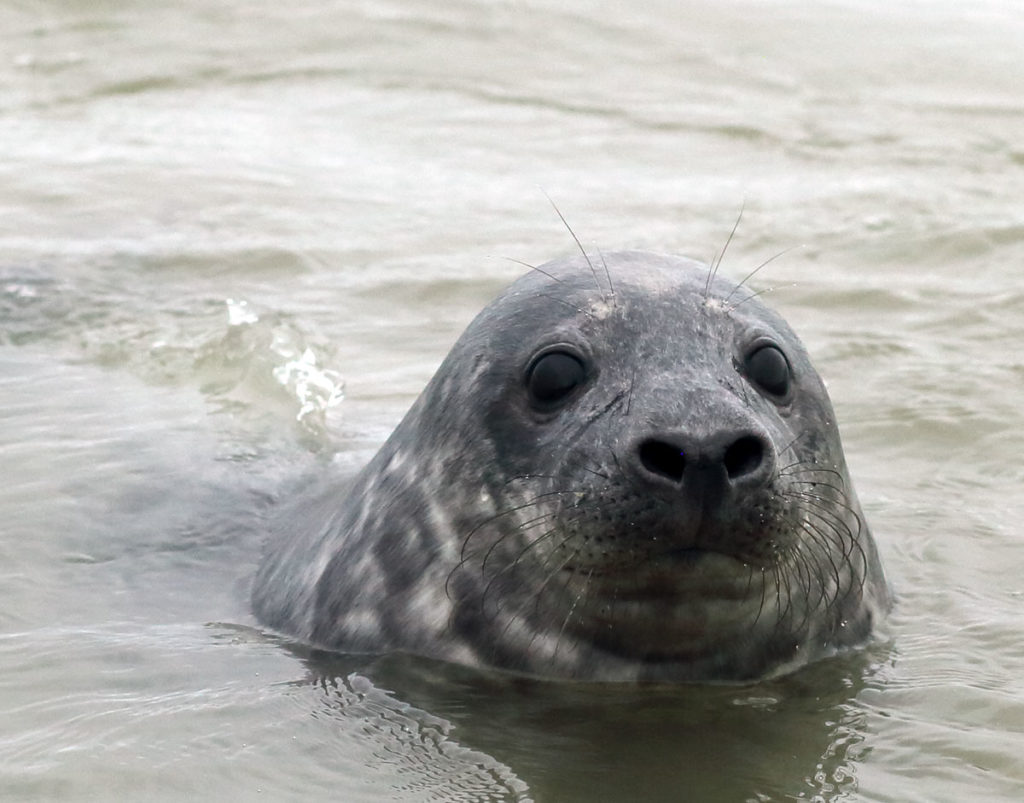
[[725, 458]]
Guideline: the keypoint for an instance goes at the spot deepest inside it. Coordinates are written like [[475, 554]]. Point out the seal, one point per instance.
[[617, 474]]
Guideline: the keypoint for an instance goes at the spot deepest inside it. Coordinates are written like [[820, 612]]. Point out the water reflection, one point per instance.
[[798, 736]]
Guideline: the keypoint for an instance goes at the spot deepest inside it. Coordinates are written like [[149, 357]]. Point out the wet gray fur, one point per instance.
[[489, 532]]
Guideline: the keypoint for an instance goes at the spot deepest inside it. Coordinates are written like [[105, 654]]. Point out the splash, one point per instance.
[[317, 389]]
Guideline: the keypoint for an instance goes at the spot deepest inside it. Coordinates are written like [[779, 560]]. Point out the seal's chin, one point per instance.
[[684, 605], [651, 627]]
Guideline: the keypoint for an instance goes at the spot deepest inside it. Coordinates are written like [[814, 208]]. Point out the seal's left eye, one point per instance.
[[768, 368], [553, 376]]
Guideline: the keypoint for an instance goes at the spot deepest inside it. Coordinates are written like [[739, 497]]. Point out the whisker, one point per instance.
[[537, 595], [607, 273], [793, 442], [583, 250], [750, 275], [569, 613], [751, 297], [506, 512], [716, 264], [534, 267], [569, 304], [794, 470], [813, 531]]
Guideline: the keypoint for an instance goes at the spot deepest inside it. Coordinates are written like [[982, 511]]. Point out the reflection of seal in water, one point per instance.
[[631, 474]]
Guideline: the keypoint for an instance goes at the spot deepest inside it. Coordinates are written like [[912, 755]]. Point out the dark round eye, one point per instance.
[[553, 376], [768, 368]]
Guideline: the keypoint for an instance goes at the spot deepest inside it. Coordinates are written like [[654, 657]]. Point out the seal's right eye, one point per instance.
[[768, 368], [553, 377]]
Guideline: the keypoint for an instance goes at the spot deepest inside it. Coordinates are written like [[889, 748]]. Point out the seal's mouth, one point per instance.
[[680, 574], [686, 556], [679, 559]]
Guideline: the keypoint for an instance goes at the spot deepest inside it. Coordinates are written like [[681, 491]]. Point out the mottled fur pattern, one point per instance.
[[492, 531]]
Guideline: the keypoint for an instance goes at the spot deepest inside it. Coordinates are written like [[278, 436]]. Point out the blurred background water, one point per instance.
[[236, 239]]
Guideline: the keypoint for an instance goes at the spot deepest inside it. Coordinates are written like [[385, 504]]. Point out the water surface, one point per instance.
[[236, 239]]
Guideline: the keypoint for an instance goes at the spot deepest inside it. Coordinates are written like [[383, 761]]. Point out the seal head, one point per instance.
[[623, 475]]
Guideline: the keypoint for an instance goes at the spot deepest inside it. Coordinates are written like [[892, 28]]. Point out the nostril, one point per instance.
[[743, 456], [663, 458]]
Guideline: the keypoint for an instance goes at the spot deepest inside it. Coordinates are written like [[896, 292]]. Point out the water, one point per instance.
[[215, 216]]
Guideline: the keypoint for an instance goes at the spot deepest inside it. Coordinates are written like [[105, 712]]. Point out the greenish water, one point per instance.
[[236, 239]]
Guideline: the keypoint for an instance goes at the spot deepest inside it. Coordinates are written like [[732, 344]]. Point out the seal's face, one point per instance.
[[620, 475], [667, 488]]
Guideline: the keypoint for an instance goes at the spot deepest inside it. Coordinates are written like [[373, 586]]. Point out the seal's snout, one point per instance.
[[723, 459]]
